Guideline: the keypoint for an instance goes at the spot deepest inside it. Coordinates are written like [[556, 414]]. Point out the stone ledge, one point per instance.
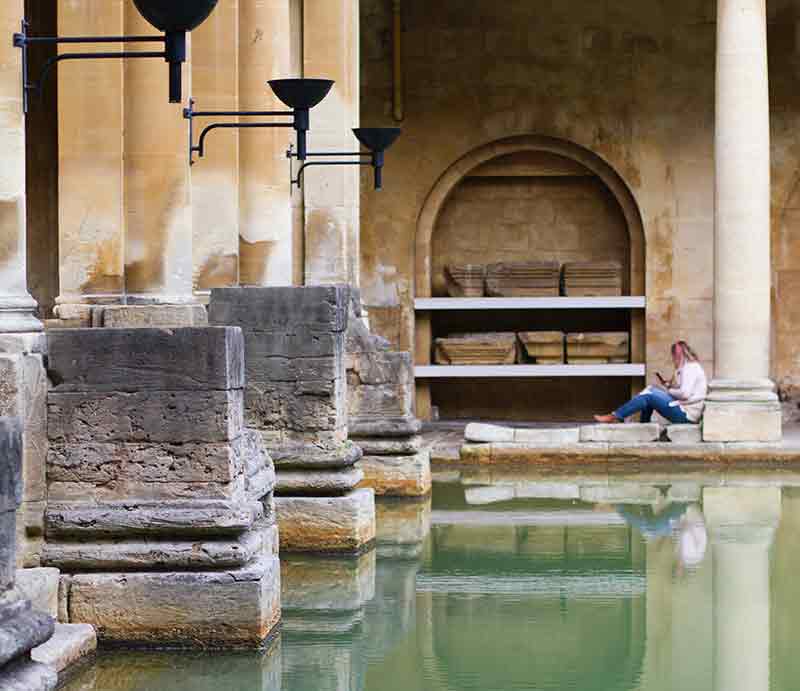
[[399, 446], [70, 644], [390, 427], [627, 454], [478, 432], [685, 434], [318, 482], [40, 587], [630, 433]]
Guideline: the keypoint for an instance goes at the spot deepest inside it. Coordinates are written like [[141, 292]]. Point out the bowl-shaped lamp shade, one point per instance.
[[377, 138], [301, 94], [175, 15]]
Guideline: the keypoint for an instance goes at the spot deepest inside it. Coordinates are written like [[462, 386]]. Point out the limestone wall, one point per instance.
[[632, 82]]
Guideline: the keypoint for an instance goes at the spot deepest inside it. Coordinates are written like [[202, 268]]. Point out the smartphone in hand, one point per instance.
[[661, 379]]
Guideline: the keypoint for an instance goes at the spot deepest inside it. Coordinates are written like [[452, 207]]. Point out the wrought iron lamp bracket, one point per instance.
[[23, 41], [291, 155], [200, 148]]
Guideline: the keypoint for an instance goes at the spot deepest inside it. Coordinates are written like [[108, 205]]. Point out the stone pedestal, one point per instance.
[[296, 398], [160, 505], [23, 390], [380, 399], [21, 627], [742, 411]]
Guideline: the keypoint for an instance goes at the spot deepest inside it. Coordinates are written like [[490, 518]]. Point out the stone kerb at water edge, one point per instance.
[[380, 387], [296, 399], [160, 510], [21, 627]]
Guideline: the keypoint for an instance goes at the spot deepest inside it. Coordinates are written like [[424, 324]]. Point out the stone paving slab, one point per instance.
[[632, 433], [69, 645], [482, 433]]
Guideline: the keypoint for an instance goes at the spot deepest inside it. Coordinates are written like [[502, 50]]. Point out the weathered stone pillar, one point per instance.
[[21, 627], [91, 243], [267, 242], [17, 307], [157, 189], [215, 178], [742, 405], [159, 499], [330, 50], [380, 391], [742, 523], [297, 398]]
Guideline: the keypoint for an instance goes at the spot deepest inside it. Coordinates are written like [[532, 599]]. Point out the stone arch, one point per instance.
[[444, 186]]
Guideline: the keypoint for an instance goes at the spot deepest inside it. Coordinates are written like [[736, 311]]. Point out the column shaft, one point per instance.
[[90, 124], [16, 304], [158, 248], [215, 178], [266, 238], [331, 50], [742, 278]]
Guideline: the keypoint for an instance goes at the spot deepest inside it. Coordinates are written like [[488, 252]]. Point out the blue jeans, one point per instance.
[[646, 404]]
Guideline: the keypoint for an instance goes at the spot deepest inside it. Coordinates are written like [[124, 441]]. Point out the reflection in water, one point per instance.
[[516, 582]]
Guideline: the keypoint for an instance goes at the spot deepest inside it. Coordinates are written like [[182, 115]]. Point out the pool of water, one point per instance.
[[512, 581]]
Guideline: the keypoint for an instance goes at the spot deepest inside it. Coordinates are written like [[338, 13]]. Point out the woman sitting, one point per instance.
[[680, 400]]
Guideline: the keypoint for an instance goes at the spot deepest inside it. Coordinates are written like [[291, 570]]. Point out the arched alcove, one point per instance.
[[526, 198]]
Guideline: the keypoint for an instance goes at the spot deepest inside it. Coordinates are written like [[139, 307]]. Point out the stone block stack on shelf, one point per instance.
[[523, 279], [380, 388], [592, 279], [543, 347], [21, 627], [609, 347], [296, 398], [465, 280], [476, 349], [160, 512]]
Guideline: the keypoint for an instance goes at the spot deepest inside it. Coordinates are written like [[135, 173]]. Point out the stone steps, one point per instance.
[[69, 645]]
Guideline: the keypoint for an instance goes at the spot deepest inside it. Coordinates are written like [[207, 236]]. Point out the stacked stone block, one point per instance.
[[380, 385], [296, 398], [160, 505], [21, 627], [23, 392]]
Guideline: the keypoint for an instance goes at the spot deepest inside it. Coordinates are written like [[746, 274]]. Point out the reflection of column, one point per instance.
[[742, 522], [331, 31], [742, 405], [215, 180], [16, 304], [266, 239], [90, 111], [158, 256]]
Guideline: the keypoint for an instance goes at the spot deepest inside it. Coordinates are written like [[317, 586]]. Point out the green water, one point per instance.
[[514, 582]]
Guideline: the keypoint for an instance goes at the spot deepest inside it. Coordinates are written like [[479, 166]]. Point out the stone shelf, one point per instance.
[[440, 304], [520, 371]]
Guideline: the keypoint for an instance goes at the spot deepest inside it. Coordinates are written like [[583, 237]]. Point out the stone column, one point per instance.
[[742, 523], [17, 307], [215, 178], [742, 405], [330, 50], [90, 134], [21, 627], [267, 241], [157, 189]]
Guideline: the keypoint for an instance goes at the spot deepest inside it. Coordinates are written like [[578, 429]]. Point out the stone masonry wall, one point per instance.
[[633, 82]]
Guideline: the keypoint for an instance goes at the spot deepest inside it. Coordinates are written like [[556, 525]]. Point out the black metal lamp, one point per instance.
[[376, 139], [174, 17], [300, 95]]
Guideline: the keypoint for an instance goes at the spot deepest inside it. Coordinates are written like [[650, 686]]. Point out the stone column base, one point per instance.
[[238, 608], [28, 676], [742, 411], [397, 476], [343, 525]]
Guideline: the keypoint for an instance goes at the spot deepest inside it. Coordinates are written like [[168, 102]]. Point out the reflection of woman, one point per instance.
[[681, 400]]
